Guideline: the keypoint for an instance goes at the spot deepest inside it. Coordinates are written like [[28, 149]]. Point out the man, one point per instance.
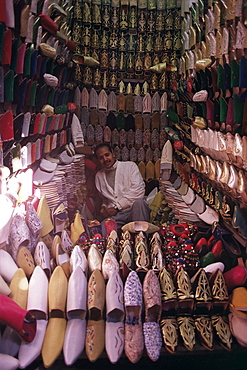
[[121, 188]]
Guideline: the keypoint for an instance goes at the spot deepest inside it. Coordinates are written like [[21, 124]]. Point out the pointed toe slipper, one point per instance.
[[114, 340], [37, 300], [151, 328], [115, 298], [42, 258], [28, 352], [95, 334], [94, 258], [109, 264], [4, 287], [53, 340], [55, 332], [95, 339], [78, 258], [114, 336], [75, 334], [19, 288], [152, 339], [10, 342], [8, 267], [77, 295], [8, 362], [133, 341], [37, 303], [74, 340]]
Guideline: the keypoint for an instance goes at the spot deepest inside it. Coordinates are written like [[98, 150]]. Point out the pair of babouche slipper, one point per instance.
[[60, 326], [140, 334]]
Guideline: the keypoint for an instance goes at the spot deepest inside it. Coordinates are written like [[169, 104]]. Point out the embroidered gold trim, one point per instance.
[[203, 291], [204, 326], [169, 329], [168, 290], [222, 328], [156, 254], [187, 331], [184, 288], [219, 289], [141, 249]]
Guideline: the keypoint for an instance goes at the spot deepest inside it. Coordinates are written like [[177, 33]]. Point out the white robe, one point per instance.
[[129, 186]]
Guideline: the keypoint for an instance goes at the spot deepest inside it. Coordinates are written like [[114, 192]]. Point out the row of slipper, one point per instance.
[[87, 301]]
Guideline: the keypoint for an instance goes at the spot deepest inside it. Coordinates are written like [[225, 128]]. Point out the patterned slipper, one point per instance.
[[149, 155], [138, 139], [134, 343], [133, 154], [151, 328], [125, 153], [146, 121], [122, 138], [107, 134], [90, 135], [98, 134], [155, 139], [115, 138], [130, 139]]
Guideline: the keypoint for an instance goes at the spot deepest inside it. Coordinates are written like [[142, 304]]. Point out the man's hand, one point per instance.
[[108, 212]]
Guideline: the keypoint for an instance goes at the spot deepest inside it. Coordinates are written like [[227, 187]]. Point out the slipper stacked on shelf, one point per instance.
[[188, 313], [134, 134], [188, 304], [208, 111]]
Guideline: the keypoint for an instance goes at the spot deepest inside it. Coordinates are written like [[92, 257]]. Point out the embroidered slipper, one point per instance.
[[95, 333], [114, 331], [152, 303], [134, 341], [109, 264]]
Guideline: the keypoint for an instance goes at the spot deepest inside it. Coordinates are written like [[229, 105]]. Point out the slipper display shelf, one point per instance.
[[198, 166], [184, 359]]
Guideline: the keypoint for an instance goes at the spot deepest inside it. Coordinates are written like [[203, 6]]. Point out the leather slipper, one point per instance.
[[114, 331], [75, 334], [95, 334], [55, 332]]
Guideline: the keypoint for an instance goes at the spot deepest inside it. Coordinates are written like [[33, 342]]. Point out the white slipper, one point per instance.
[[74, 340], [114, 331], [8, 362], [8, 267], [28, 352], [10, 342]]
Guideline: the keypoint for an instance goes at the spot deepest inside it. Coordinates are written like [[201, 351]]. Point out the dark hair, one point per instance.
[[102, 145]]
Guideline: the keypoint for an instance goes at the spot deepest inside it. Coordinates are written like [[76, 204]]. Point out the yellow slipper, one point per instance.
[[44, 214], [95, 334], [55, 332], [19, 288], [77, 228]]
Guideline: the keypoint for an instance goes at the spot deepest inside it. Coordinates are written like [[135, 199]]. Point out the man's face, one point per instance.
[[105, 157]]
